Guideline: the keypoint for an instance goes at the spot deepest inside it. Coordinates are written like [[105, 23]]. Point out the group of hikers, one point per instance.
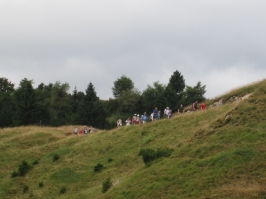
[[82, 130], [156, 115]]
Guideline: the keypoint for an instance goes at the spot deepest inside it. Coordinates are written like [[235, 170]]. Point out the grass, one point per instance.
[[211, 158]]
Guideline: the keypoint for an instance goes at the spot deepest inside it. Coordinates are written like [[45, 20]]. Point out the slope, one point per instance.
[[219, 153]]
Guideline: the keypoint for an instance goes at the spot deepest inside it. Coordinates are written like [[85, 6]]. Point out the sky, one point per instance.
[[220, 43]]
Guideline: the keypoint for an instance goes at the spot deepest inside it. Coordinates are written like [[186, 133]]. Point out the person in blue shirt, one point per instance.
[[155, 113], [144, 118]]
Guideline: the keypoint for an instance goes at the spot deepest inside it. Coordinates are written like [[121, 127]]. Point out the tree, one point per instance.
[[25, 97], [60, 105], [6, 86], [92, 111], [77, 99], [128, 101], [153, 96], [122, 84], [43, 98], [6, 102], [172, 99], [177, 82], [195, 93]]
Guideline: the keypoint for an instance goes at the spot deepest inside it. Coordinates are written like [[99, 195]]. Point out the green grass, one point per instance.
[[211, 158]]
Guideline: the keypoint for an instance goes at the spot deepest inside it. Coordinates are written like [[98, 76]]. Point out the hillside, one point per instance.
[[218, 153]]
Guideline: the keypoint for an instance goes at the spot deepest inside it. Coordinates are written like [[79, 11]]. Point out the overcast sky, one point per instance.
[[219, 43]]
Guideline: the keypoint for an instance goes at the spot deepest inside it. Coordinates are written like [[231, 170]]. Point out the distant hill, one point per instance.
[[217, 153]]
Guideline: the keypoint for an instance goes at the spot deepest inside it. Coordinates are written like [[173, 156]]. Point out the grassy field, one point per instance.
[[218, 153]]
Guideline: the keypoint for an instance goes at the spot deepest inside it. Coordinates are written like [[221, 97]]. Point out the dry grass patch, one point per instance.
[[240, 189]]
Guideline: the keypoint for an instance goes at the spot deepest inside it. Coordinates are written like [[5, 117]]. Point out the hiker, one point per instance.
[[140, 119], [80, 131], [75, 130], [85, 130], [203, 106], [144, 118], [170, 113], [119, 122], [158, 115], [137, 119], [134, 119], [166, 112], [180, 109], [151, 117], [155, 113], [195, 106], [128, 121], [90, 129]]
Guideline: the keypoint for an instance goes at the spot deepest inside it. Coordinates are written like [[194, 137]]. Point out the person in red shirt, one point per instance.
[[203, 106], [80, 132]]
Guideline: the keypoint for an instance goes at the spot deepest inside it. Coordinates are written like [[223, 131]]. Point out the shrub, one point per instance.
[[23, 168], [25, 188], [56, 157], [40, 184], [98, 167], [63, 190], [166, 152], [149, 155], [35, 162], [14, 174], [110, 160], [107, 184]]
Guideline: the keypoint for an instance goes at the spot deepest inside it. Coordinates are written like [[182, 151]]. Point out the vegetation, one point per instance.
[[53, 105], [98, 167], [107, 184], [217, 153]]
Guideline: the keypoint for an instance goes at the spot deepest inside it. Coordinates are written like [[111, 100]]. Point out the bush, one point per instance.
[[63, 190], [107, 184], [14, 174], [56, 157], [149, 155], [23, 168], [35, 162], [98, 167], [40, 184], [25, 188], [166, 152], [110, 160]]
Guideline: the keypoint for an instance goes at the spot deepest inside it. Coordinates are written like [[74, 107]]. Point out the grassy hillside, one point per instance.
[[218, 153]]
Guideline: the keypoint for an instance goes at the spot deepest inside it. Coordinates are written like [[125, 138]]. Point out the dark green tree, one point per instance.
[[77, 98], [193, 94], [60, 105], [128, 101], [153, 97], [25, 98], [177, 82], [43, 98], [6, 102], [6, 86], [122, 84], [92, 111], [172, 98]]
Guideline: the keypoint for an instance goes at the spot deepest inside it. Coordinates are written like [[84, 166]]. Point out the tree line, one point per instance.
[[54, 105]]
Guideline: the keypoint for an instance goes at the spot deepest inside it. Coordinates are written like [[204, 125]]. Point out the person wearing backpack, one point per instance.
[[144, 118], [181, 109], [195, 106], [155, 113]]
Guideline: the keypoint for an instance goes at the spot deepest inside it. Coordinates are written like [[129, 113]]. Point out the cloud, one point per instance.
[[99, 41]]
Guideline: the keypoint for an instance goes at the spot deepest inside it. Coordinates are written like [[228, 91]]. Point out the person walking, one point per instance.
[[195, 106]]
